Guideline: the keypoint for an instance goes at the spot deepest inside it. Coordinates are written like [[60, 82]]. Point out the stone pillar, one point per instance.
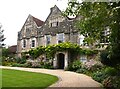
[[66, 60], [55, 61]]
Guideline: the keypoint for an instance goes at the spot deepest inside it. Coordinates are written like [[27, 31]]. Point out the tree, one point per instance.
[[1, 37], [96, 17]]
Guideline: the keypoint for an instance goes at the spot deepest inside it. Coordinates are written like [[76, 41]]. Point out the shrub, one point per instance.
[[93, 65], [18, 65], [76, 65], [20, 60], [33, 63], [69, 68], [47, 65], [99, 75], [82, 70], [112, 82], [104, 58], [107, 83], [111, 71]]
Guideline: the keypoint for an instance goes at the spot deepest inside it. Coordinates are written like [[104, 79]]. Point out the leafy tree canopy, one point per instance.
[[96, 18]]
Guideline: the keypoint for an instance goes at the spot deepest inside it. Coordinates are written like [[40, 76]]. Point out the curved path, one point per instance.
[[66, 78]]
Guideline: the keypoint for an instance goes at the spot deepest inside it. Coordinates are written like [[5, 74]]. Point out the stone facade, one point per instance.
[[54, 30]]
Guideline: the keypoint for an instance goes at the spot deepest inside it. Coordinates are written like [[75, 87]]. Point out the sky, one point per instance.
[[13, 14]]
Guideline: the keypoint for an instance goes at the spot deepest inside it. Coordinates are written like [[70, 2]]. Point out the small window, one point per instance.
[[54, 24], [33, 43], [83, 58], [24, 43], [47, 39]]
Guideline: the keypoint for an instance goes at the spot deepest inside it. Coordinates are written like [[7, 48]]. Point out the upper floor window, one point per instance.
[[54, 24], [47, 39], [60, 37], [33, 43]]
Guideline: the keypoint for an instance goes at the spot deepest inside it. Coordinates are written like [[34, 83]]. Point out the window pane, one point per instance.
[[47, 39], [60, 38], [24, 43], [33, 43]]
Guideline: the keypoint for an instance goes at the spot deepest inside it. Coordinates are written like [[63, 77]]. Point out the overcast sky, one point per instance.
[[13, 14]]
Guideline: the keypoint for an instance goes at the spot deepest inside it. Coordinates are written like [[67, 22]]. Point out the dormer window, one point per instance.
[[54, 24]]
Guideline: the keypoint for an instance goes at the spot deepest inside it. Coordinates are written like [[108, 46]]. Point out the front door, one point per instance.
[[60, 60]]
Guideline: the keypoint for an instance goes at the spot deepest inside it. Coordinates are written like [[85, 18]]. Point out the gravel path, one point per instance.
[[66, 78]]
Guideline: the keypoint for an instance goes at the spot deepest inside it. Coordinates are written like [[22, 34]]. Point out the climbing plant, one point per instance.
[[50, 50]]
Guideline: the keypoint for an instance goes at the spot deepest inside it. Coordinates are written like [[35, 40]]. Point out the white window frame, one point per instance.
[[83, 58], [34, 42], [24, 44], [63, 38]]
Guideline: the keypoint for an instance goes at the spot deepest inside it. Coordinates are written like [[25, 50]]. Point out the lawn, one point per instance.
[[16, 79]]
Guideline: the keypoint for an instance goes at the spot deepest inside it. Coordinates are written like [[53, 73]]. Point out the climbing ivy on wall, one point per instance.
[[50, 50]]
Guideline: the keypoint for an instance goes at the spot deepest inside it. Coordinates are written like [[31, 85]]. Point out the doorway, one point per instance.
[[60, 60]]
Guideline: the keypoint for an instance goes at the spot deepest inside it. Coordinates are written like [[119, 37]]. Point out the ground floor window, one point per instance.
[[83, 58]]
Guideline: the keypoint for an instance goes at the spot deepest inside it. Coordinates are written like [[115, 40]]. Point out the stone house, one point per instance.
[[56, 29]]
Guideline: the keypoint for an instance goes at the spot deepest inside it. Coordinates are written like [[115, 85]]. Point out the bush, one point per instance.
[[20, 60], [107, 82], [93, 65], [74, 66], [32, 63], [112, 82], [18, 65], [82, 70], [99, 75], [111, 71], [47, 65], [104, 58]]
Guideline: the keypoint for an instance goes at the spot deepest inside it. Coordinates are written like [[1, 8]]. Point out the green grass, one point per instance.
[[23, 80]]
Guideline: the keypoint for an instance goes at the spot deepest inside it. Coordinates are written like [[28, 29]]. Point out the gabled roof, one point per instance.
[[58, 10], [37, 21]]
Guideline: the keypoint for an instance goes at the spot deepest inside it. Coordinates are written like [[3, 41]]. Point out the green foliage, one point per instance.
[[47, 65], [5, 52], [50, 50], [99, 76], [96, 17], [36, 52], [106, 76], [111, 71], [82, 70], [112, 82], [20, 60], [18, 65], [74, 66]]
